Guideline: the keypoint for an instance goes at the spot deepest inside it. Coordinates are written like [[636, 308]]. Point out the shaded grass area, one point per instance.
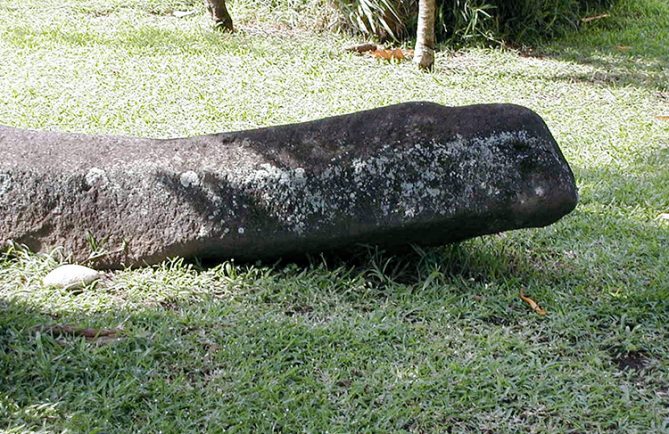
[[431, 341]]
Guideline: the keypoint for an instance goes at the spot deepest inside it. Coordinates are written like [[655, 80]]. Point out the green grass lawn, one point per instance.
[[435, 341]]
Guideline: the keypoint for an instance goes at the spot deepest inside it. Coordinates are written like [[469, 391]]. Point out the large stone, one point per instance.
[[409, 173]]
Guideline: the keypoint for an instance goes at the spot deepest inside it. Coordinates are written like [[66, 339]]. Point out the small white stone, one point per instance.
[[71, 276], [241, 231], [189, 179]]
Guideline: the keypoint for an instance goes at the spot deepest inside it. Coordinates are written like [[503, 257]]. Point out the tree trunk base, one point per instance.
[[424, 59], [219, 13]]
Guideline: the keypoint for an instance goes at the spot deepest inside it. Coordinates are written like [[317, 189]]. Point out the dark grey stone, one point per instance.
[[409, 173]]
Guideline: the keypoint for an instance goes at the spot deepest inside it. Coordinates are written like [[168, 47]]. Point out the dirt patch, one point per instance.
[[496, 320], [298, 310], [634, 360]]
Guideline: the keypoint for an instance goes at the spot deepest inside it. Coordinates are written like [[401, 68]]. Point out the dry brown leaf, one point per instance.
[[594, 18], [396, 54], [662, 117], [533, 304], [363, 48], [623, 47]]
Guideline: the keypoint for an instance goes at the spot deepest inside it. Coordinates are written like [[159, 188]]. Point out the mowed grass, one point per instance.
[[433, 341]]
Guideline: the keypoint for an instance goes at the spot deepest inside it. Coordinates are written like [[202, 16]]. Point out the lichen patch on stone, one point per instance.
[[404, 182], [189, 179], [96, 178], [5, 183]]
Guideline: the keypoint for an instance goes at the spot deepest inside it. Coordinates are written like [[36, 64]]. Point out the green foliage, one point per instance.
[[463, 21], [459, 22], [385, 19], [478, 22], [532, 20]]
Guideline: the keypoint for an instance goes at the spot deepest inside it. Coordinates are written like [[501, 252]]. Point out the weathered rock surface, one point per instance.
[[410, 173]]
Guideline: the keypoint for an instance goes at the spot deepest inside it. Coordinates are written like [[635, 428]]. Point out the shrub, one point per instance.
[[383, 19], [477, 22]]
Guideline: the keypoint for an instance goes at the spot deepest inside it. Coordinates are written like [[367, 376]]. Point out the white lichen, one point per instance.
[[400, 181], [189, 179], [96, 178], [5, 183]]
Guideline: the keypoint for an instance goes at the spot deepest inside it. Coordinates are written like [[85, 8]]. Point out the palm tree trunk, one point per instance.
[[425, 39]]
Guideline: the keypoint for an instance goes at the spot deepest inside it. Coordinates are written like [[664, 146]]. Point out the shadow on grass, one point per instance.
[[612, 69], [629, 51], [616, 64], [178, 363], [196, 354]]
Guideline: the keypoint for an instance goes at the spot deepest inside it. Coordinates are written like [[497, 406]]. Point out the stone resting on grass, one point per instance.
[[410, 173]]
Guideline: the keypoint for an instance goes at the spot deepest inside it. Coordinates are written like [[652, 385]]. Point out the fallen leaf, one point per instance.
[[533, 304], [391, 54], [662, 117], [623, 47], [363, 48], [594, 17], [88, 333]]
